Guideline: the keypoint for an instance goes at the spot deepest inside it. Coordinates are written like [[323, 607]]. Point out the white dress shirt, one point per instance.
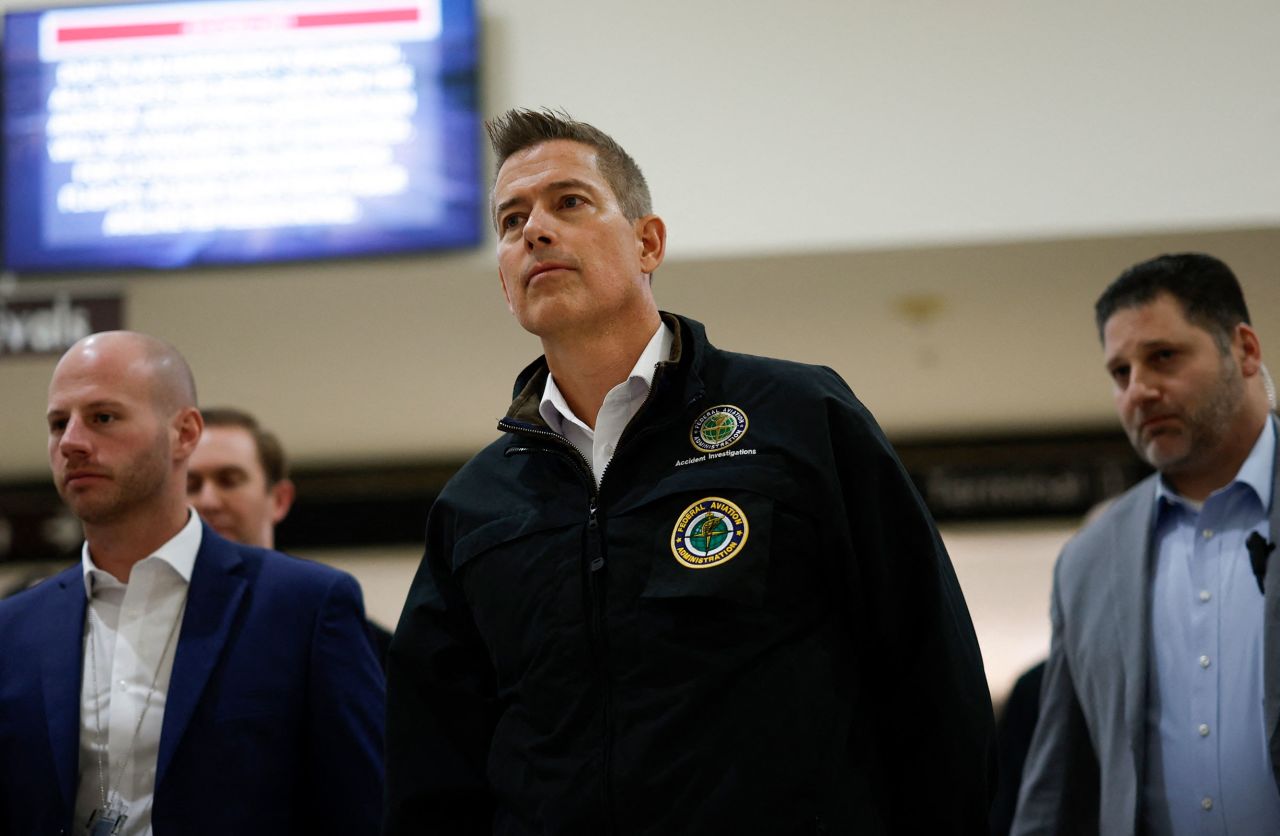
[[620, 406], [130, 626]]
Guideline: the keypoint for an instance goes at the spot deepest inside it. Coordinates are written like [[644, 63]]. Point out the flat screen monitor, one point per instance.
[[166, 135]]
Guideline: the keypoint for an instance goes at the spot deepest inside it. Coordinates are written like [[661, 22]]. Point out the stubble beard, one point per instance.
[[1205, 426], [133, 485]]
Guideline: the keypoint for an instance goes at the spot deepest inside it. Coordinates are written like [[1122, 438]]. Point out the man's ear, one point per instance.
[[282, 495], [651, 238], [1248, 348], [187, 426]]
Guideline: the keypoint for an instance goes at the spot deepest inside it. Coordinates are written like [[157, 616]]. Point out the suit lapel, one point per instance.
[[1271, 628], [217, 585], [61, 670], [1131, 601]]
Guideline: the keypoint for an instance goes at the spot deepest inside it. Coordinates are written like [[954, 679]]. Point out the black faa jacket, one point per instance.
[[757, 634]]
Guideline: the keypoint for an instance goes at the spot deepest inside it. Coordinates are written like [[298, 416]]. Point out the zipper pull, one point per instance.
[[593, 533]]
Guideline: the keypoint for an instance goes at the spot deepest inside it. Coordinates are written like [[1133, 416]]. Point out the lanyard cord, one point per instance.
[[97, 716]]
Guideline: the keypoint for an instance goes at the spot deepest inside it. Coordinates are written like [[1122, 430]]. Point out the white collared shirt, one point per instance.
[[129, 625], [620, 406]]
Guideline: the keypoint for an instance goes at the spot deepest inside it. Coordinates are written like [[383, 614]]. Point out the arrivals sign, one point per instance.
[[46, 325]]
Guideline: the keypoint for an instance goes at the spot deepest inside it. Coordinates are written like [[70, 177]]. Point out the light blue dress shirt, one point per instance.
[[1208, 768]]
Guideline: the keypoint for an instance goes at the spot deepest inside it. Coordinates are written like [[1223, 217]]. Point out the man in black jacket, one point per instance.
[[687, 591]]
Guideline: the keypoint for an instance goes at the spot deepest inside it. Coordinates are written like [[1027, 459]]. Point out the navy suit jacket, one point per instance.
[[274, 717]]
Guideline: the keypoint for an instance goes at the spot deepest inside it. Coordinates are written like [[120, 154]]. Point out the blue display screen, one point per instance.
[[168, 135]]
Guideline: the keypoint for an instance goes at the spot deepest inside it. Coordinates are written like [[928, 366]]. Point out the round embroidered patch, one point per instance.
[[709, 532], [719, 427]]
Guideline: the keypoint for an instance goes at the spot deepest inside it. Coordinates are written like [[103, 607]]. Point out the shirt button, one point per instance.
[[1203, 729], [1207, 803], [1204, 595], [1208, 533], [1204, 661]]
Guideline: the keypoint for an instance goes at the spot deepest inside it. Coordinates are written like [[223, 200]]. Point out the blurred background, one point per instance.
[[925, 196]]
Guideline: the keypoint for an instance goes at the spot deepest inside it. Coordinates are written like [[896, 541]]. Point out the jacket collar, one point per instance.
[[61, 670], [1271, 628], [1131, 602], [218, 583], [688, 350]]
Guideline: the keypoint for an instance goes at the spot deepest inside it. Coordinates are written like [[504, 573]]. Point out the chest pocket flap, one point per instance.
[[494, 533]]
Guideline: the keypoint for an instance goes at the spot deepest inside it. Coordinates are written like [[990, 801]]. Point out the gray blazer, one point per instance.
[[1086, 767]]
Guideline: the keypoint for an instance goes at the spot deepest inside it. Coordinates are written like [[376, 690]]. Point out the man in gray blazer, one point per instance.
[[1160, 709]]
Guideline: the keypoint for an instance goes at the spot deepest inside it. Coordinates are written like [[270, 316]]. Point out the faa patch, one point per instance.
[[719, 427], [709, 532]]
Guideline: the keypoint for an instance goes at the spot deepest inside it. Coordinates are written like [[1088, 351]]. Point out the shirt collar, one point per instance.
[[179, 552], [555, 410], [1257, 471]]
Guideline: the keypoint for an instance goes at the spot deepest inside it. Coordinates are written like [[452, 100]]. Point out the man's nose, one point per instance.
[[538, 230], [75, 438], [205, 497], [1143, 386]]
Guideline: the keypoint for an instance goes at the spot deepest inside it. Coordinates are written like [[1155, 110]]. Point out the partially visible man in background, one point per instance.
[[238, 481], [1160, 711]]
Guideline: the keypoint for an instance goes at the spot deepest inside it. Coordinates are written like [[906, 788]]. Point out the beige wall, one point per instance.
[[414, 358]]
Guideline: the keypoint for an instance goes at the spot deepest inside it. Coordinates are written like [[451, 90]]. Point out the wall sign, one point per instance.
[[51, 324]]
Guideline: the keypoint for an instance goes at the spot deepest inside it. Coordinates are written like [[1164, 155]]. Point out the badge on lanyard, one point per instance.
[[107, 821]]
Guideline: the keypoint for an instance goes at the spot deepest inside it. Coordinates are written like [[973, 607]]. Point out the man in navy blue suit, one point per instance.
[[174, 682]]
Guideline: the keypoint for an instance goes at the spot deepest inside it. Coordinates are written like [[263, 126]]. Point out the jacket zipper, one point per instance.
[[594, 569], [599, 640]]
